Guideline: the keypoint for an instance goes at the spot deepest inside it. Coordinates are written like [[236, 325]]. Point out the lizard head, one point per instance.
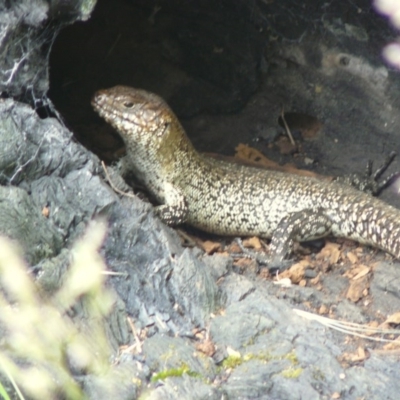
[[140, 117]]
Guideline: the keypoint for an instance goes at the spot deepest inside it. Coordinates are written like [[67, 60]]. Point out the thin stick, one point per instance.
[[138, 342], [287, 128], [113, 273], [349, 327], [112, 184]]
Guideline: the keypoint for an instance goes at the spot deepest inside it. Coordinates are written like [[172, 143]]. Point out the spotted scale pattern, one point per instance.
[[231, 199]]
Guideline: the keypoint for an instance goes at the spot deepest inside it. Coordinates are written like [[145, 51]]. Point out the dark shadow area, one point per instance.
[[229, 68], [202, 57]]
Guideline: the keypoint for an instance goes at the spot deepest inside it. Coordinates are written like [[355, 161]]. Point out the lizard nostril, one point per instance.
[[128, 104], [100, 98]]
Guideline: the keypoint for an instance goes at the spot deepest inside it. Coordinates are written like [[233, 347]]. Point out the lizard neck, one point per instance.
[[176, 151], [166, 158]]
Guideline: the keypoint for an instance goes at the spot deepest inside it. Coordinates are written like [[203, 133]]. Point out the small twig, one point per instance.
[[113, 273], [287, 128], [392, 352], [113, 46], [264, 245], [112, 184], [135, 334], [350, 328]]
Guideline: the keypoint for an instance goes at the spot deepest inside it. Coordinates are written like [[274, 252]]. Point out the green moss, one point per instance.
[[292, 373], [232, 361], [292, 357], [174, 372], [318, 375]]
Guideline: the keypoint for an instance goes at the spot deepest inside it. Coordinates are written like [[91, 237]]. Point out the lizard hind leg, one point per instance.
[[300, 226]]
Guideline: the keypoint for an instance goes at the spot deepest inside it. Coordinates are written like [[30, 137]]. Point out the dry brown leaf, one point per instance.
[[296, 272], [363, 270], [373, 324], [359, 355], [352, 257], [393, 319], [357, 272], [316, 280], [285, 146], [255, 157], [210, 247], [359, 251], [323, 310], [247, 153], [356, 289], [245, 263], [253, 242], [207, 347], [331, 252], [235, 248], [393, 346]]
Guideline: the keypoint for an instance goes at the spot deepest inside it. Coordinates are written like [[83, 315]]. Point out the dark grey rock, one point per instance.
[[252, 380], [21, 219], [164, 353], [163, 286], [26, 43], [186, 387], [385, 288], [219, 265], [349, 311], [239, 288], [122, 382]]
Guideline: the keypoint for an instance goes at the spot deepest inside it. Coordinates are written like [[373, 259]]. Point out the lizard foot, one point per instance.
[[369, 181], [272, 264]]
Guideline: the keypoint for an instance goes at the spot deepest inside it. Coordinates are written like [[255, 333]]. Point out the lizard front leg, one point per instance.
[[175, 209]]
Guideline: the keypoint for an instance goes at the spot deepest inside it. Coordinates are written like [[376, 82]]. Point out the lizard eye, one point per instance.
[[165, 126], [128, 104]]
